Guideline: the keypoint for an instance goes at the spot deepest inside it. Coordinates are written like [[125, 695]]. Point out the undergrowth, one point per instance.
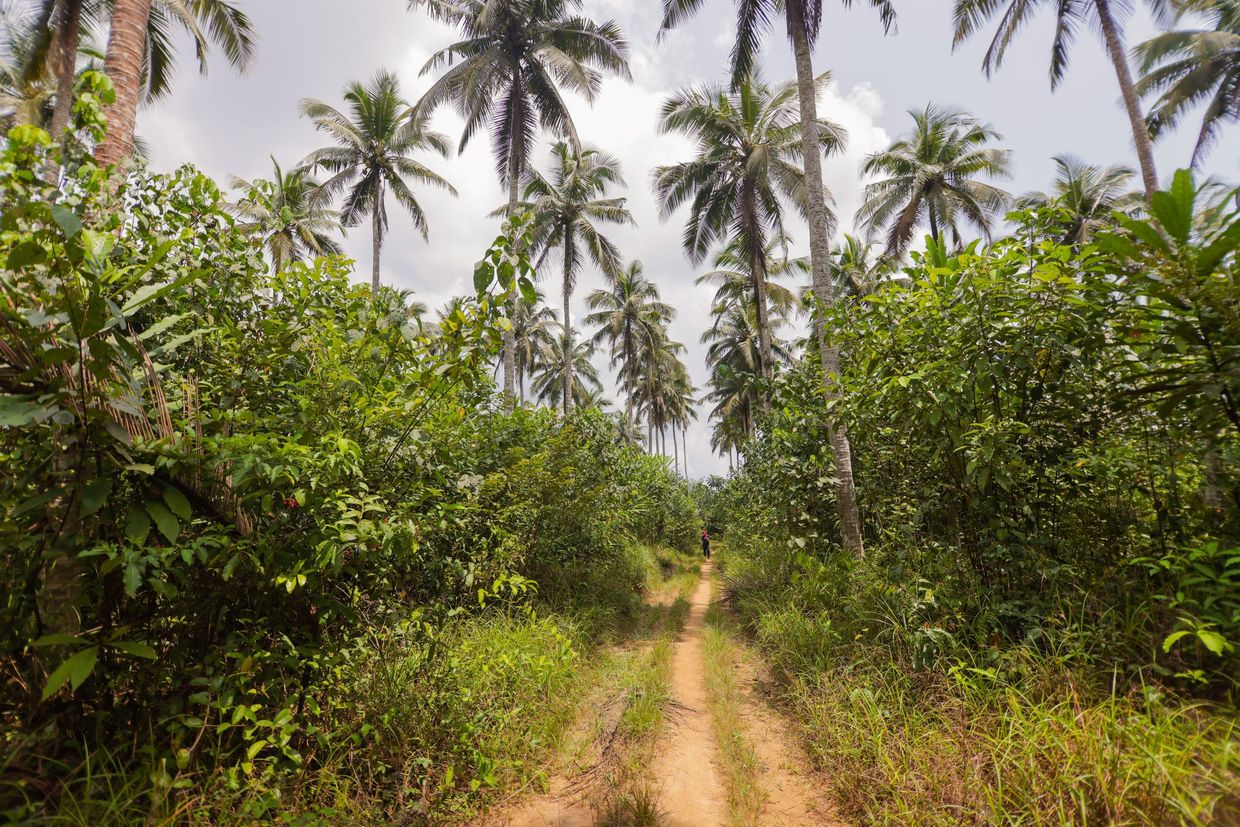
[[1039, 745]]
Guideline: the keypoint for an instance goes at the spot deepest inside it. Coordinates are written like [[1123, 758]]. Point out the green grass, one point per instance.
[[741, 768], [495, 717], [932, 749]]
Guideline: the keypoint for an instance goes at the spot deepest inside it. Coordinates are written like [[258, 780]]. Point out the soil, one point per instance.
[[689, 783]]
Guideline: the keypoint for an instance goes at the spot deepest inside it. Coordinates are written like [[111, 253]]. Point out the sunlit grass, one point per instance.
[[739, 762]]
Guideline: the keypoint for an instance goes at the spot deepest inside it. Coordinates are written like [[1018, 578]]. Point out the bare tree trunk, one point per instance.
[[820, 251], [123, 65], [1132, 103], [568, 328], [509, 340], [68, 37], [684, 447], [376, 231], [757, 275], [675, 451]]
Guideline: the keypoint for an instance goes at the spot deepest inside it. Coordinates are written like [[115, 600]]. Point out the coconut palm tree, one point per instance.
[[1089, 195], [564, 368], [568, 207], [507, 75], [26, 92], [285, 213], [855, 268], [595, 399], [803, 21], [733, 281], [141, 53], [376, 142], [744, 169], [930, 176], [661, 376], [1070, 16], [629, 316], [533, 325], [1188, 66]]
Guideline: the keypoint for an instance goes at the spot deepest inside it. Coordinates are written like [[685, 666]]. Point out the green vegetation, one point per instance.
[[740, 763], [1045, 431], [277, 549], [255, 538]]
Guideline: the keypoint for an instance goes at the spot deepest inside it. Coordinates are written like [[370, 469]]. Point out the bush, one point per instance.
[[232, 496]]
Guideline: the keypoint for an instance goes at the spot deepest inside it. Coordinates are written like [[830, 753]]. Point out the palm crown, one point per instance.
[[1089, 195], [568, 206], [286, 214], [507, 72], [930, 175], [1186, 67], [376, 142], [748, 143]]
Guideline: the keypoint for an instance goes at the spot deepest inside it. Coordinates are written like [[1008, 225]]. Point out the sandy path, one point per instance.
[[793, 798], [691, 793]]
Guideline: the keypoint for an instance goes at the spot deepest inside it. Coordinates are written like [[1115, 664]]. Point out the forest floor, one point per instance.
[[680, 731]]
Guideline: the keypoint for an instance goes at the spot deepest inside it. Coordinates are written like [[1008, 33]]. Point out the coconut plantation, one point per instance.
[[559, 413]]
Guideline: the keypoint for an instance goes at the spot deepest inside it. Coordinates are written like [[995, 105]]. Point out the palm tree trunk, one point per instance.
[[675, 451], [757, 273], [934, 223], [68, 37], [568, 328], [1140, 131], [123, 65], [820, 251], [684, 448], [376, 233], [758, 267], [630, 358], [509, 341]]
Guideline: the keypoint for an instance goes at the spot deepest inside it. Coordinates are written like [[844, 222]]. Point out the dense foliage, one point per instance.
[[1047, 439], [1046, 442], [230, 493]]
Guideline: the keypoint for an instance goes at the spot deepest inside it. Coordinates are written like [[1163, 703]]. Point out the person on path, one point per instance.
[[705, 544]]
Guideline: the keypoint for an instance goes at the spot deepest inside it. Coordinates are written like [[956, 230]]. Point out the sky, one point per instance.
[[229, 125]]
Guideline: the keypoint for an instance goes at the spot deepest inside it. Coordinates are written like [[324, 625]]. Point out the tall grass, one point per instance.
[[905, 746], [741, 768]]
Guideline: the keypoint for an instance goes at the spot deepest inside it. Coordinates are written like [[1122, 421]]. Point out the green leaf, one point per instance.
[[137, 526], [67, 220], [25, 254], [528, 291], [75, 670], [18, 411], [1212, 640], [1172, 638], [164, 521], [133, 577], [56, 640], [254, 749], [95, 495], [177, 502], [98, 246], [482, 277], [132, 647]]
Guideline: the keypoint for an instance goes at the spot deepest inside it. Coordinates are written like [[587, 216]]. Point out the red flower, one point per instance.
[[289, 502]]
